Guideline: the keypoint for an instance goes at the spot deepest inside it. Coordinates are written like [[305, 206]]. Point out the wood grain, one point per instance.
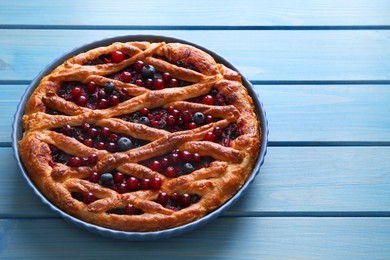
[[232, 238], [203, 12], [320, 55]]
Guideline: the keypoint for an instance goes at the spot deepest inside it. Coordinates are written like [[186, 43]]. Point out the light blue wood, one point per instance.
[[321, 69], [296, 113], [261, 55], [190, 13], [224, 238], [293, 180]]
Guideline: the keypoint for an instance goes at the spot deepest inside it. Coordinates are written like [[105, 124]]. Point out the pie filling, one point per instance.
[[123, 183], [91, 95], [101, 138], [145, 75]]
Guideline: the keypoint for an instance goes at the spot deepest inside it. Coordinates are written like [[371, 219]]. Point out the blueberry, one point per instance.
[[180, 63], [148, 71], [107, 180], [199, 118], [144, 120], [124, 144], [188, 168], [109, 87]]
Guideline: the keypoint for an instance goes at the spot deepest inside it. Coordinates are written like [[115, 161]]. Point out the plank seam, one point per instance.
[[303, 144], [264, 82], [305, 214], [194, 27], [265, 214]]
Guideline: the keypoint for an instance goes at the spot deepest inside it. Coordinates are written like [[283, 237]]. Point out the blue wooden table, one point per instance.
[[322, 70]]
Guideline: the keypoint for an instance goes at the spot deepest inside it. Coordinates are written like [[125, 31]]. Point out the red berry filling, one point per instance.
[[123, 183], [169, 119], [177, 163], [101, 138], [176, 201], [87, 197], [223, 136], [145, 75], [214, 97], [59, 156], [91, 95], [115, 57]]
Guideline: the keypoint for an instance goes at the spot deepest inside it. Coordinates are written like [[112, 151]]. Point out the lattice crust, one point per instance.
[[213, 184]]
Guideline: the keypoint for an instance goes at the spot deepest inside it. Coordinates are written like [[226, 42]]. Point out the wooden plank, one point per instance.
[[298, 113], [261, 55], [327, 112], [296, 180], [173, 13], [224, 238]]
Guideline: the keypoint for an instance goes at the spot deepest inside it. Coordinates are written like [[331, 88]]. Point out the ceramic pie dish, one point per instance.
[[140, 137]]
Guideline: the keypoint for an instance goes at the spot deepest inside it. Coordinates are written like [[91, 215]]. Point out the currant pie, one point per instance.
[[140, 136]]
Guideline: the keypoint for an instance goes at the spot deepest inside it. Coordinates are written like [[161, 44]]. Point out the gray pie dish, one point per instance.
[[17, 133]]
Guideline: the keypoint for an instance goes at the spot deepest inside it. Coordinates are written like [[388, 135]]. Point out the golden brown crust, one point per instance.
[[215, 184]]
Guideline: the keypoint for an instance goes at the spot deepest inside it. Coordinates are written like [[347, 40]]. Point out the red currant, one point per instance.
[[145, 184], [92, 159], [139, 82], [158, 84], [126, 76], [82, 101], [117, 56], [130, 209], [170, 121], [208, 100], [185, 156], [113, 100], [76, 92], [166, 76], [185, 200], [155, 166], [138, 65], [196, 157], [173, 83], [209, 136], [170, 172], [132, 183], [162, 198], [186, 115], [144, 111], [89, 197], [119, 177], [74, 162], [88, 142], [94, 177], [91, 86], [121, 188], [156, 183], [192, 125]]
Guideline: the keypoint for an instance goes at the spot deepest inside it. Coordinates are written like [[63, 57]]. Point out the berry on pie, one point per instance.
[[140, 136]]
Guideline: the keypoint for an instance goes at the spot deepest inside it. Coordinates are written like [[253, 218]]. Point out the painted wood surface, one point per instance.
[[208, 13], [231, 238], [321, 69], [261, 55]]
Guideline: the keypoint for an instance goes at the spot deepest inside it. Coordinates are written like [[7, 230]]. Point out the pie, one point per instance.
[[140, 136]]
